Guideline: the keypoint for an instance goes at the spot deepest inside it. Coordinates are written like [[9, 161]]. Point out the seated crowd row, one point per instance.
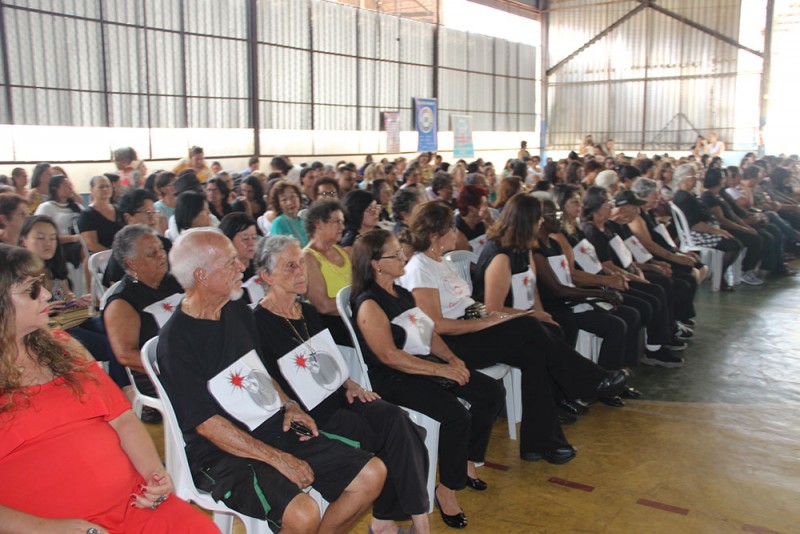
[[595, 256]]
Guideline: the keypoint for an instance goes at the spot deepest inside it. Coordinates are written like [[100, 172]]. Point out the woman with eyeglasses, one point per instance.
[[361, 214], [473, 333], [100, 222], [40, 236], [328, 264], [57, 403]]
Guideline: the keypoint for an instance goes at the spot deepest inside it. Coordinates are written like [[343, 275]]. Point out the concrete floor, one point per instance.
[[712, 447]]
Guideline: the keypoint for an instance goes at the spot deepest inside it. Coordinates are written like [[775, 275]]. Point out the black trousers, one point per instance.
[[619, 330], [659, 326], [464, 434], [678, 293], [385, 430], [772, 260], [526, 343], [755, 248]]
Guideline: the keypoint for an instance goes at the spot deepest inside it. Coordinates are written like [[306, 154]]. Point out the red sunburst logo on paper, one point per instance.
[[412, 318], [634, 242], [583, 250], [526, 281], [236, 380], [167, 307], [482, 242], [564, 264], [301, 361]]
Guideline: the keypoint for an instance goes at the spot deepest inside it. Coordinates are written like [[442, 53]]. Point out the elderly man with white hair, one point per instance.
[[247, 443], [608, 180]]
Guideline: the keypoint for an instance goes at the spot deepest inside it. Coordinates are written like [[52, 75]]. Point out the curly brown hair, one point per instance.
[[277, 190], [17, 264], [428, 219]]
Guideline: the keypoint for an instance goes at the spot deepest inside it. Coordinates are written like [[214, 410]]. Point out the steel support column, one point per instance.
[[765, 75]]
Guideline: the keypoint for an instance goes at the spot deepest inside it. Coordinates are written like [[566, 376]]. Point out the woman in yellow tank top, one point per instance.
[[327, 264]]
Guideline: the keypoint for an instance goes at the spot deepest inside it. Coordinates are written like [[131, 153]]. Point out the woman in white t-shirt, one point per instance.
[[519, 340]]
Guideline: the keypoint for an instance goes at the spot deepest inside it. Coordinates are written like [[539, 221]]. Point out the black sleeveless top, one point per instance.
[[519, 264], [392, 307], [140, 296], [470, 233]]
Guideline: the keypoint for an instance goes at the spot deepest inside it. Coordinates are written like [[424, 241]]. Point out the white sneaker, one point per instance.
[[751, 279]]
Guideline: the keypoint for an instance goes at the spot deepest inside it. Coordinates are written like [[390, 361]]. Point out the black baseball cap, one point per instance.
[[626, 198]]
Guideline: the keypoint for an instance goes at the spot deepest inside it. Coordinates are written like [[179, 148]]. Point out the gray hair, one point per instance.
[[189, 253], [124, 246], [644, 187], [682, 173], [606, 179], [475, 178], [269, 248]]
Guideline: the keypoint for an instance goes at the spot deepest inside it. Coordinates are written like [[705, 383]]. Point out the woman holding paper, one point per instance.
[[300, 355], [444, 296], [410, 365]]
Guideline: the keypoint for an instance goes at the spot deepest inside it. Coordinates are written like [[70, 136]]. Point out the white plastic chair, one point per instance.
[[462, 260], [710, 256], [179, 468], [513, 393], [358, 373], [97, 268]]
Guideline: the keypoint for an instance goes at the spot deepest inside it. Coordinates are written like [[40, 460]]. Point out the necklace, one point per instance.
[[304, 341]]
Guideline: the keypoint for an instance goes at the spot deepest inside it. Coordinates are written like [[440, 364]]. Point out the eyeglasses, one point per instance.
[[35, 289], [149, 213], [399, 255], [327, 194], [337, 222]]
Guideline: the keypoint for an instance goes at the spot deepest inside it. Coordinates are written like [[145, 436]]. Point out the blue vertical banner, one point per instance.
[[425, 118], [462, 136]]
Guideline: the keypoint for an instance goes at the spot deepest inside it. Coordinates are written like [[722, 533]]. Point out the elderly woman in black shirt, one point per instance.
[[702, 224]]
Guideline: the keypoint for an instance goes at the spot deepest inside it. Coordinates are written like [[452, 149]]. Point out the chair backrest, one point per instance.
[[358, 368], [181, 477], [462, 260], [97, 267], [684, 230], [107, 294]]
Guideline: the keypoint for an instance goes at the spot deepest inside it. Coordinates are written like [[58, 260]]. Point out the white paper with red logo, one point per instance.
[[244, 390], [314, 369], [662, 231], [637, 249], [523, 289], [164, 308], [560, 267], [256, 289], [623, 254], [419, 331], [586, 256], [477, 244]]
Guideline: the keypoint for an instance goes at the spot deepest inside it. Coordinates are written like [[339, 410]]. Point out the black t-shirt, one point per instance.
[[226, 209], [710, 200], [277, 339], [114, 271], [650, 220], [191, 352], [470, 233], [548, 248], [691, 207], [599, 239], [519, 264], [734, 206], [92, 220], [140, 296], [392, 307]]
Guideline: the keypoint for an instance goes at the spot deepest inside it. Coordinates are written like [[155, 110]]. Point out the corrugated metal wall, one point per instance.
[[187, 63], [652, 83]]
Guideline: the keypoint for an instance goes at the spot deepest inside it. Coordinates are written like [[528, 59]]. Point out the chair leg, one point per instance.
[[511, 411], [224, 522], [716, 275]]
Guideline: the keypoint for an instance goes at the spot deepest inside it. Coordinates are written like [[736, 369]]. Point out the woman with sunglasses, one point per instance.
[[56, 402], [39, 235]]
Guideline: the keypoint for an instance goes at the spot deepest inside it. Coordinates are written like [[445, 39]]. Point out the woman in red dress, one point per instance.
[[73, 456]]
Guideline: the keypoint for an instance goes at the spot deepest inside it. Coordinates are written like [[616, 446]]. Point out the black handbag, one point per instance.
[[446, 383]]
